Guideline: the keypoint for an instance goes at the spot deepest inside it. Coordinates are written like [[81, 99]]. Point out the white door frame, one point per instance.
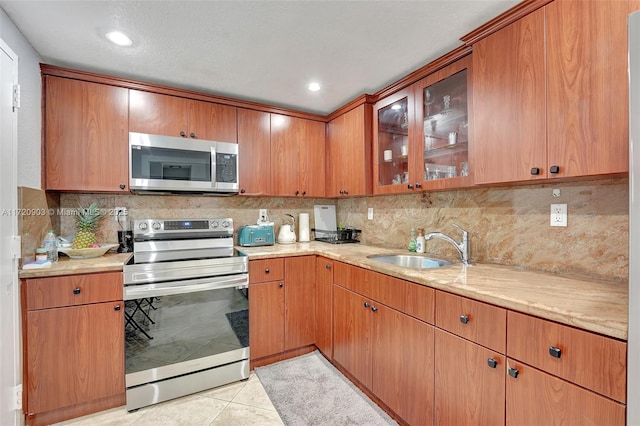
[[10, 350]]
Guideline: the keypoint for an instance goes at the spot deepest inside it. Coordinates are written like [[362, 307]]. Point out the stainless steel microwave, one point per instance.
[[171, 164]]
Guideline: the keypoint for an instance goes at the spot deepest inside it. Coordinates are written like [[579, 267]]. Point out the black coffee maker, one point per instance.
[[125, 235]]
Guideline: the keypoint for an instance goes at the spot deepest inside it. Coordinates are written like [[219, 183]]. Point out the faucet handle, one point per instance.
[[464, 232]]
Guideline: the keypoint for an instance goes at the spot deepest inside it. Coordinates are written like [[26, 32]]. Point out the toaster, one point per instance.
[[256, 235]]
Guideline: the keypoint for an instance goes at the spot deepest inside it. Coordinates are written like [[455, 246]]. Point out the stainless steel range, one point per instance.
[[186, 309]]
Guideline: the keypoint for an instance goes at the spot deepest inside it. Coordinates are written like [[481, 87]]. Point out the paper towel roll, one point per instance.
[[303, 223]]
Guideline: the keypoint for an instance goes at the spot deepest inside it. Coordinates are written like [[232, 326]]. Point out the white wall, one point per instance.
[[29, 116]]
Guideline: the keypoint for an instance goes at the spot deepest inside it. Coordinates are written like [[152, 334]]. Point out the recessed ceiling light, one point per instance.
[[395, 106], [119, 38], [314, 87]]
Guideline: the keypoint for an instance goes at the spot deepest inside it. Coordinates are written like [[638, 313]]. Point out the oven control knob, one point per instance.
[[156, 226], [143, 226], [225, 224], [214, 224]]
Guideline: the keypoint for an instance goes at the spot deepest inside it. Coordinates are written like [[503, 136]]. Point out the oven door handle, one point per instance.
[[132, 292]]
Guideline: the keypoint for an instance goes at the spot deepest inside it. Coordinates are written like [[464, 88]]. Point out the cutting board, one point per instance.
[[324, 218]]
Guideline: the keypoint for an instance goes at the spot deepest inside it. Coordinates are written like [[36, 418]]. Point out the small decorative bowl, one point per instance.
[[87, 253]]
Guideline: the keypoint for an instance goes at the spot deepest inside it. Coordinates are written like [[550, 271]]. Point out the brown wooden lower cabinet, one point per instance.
[[324, 306], [281, 312], [469, 382], [73, 352], [537, 398], [389, 352]]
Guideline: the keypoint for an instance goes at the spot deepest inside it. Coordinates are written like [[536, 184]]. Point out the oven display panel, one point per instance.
[[175, 225]]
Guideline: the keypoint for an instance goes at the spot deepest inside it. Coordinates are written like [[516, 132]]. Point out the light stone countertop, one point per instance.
[[597, 306]]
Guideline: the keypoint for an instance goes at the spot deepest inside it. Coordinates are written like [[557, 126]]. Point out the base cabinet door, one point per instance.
[[352, 333], [266, 318], [300, 306], [537, 398], [469, 382], [324, 306], [73, 354], [402, 361]]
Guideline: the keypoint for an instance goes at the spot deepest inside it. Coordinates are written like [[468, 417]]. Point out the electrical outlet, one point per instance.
[[370, 213], [119, 211], [558, 215], [263, 215]]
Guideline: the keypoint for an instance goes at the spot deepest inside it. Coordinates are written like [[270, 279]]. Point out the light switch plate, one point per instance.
[[370, 213], [558, 215]]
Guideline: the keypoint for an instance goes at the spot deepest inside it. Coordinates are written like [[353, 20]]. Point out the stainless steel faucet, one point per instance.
[[462, 247]]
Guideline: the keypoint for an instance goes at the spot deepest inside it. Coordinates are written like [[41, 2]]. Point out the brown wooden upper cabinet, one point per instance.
[[85, 136], [254, 142], [550, 94], [297, 156], [348, 158], [421, 134], [160, 114]]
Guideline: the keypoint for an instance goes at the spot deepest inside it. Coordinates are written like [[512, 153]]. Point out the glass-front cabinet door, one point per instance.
[[392, 133], [442, 107]]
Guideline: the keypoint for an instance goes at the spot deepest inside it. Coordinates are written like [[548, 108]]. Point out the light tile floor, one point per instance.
[[241, 403]]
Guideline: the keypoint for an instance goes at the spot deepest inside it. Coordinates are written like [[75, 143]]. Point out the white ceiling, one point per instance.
[[265, 51]]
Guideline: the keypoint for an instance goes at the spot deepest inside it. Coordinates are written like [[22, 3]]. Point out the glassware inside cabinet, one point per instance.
[[393, 143], [446, 133]]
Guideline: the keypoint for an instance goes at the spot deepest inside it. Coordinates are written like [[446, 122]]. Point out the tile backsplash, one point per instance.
[[507, 225]]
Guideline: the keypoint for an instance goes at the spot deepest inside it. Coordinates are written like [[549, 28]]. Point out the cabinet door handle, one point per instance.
[[193, 135], [374, 309], [297, 192], [513, 372], [554, 169], [535, 171], [328, 266], [491, 362], [346, 192], [242, 191], [76, 290], [555, 351], [304, 193], [464, 319], [116, 308], [341, 192], [409, 186], [366, 304], [418, 185], [266, 270], [281, 285], [122, 186], [182, 133]]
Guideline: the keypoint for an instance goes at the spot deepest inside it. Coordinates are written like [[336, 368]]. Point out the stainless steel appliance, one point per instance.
[[633, 342], [186, 309], [172, 164]]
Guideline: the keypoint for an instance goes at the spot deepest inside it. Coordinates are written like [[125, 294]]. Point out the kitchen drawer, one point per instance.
[[410, 298], [69, 290], [479, 322], [534, 397], [266, 270], [586, 359]]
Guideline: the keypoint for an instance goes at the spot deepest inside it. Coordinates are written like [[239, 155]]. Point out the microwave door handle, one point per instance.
[[213, 167]]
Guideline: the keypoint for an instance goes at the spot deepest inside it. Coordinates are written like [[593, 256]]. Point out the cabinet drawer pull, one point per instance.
[[535, 171], [491, 362], [366, 304], [374, 309], [76, 290], [464, 319], [281, 285], [193, 135], [328, 266], [116, 308], [555, 351], [266, 270], [183, 134], [513, 372], [554, 169], [123, 186]]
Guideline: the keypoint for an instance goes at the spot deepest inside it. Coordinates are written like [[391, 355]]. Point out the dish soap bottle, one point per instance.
[[420, 241], [412, 241]]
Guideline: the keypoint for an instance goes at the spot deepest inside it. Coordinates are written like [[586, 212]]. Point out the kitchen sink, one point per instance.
[[410, 261]]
